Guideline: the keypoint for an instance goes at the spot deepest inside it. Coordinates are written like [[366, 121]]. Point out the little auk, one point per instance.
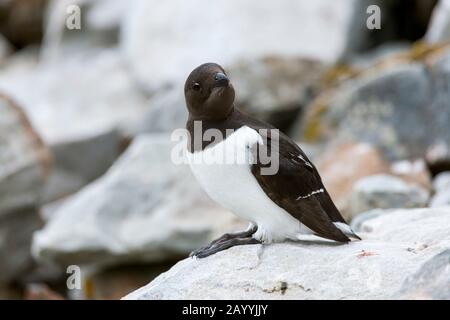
[[279, 206]]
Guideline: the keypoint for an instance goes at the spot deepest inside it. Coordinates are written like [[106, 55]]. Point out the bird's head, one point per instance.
[[209, 93]]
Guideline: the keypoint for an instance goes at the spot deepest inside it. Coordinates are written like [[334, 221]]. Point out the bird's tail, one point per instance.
[[345, 228]]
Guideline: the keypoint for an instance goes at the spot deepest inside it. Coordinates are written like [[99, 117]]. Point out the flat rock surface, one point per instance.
[[395, 245]]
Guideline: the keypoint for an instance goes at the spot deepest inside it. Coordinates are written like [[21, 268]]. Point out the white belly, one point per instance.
[[224, 171]]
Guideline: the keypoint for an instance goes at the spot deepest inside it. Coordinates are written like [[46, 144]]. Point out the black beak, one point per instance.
[[221, 80]]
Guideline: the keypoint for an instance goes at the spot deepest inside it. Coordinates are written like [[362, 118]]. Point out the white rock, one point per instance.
[[164, 41], [358, 221], [77, 96], [413, 171], [441, 185], [144, 209], [81, 105], [374, 268], [385, 192], [99, 26], [439, 28], [420, 227], [76, 163], [440, 199], [442, 181], [166, 113], [432, 281]]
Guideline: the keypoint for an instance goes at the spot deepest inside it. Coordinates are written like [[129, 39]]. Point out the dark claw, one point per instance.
[[226, 237], [223, 245]]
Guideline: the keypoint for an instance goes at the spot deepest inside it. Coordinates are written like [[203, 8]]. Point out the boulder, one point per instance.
[[144, 209], [393, 248], [415, 172], [151, 41], [167, 112], [343, 165], [96, 96], [83, 118], [441, 185], [76, 163], [380, 105], [275, 89], [16, 230], [431, 282], [385, 192], [442, 181], [440, 199], [439, 27], [24, 159], [24, 167], [100, 26], [358, 220]]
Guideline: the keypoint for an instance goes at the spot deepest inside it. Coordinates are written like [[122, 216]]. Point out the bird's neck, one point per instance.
[[197, 126]]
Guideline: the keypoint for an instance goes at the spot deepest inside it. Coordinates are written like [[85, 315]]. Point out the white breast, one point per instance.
[[224, 171]]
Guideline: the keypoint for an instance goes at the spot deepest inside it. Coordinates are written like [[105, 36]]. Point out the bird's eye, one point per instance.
[[196, 86]]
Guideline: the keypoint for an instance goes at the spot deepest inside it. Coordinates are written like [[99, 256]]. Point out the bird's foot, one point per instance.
[[223, 245], [226, 238]]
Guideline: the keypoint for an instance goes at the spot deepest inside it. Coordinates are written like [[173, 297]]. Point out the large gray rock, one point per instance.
[[442, 181], [145, 208], [24, 166], [79, 162], [78, 104], [100, 26], [275, 89], [385, 192], [383, 103], [375, 268], [16, 230], [162, 53], [432, 281], [24, 159]]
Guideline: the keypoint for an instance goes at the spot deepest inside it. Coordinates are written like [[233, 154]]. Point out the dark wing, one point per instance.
[[298, 188]]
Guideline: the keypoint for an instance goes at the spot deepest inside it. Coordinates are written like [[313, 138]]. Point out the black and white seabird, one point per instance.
[[279, 206]]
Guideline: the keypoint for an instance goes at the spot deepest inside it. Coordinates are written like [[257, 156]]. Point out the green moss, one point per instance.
[[420, 50], [337, 73]]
